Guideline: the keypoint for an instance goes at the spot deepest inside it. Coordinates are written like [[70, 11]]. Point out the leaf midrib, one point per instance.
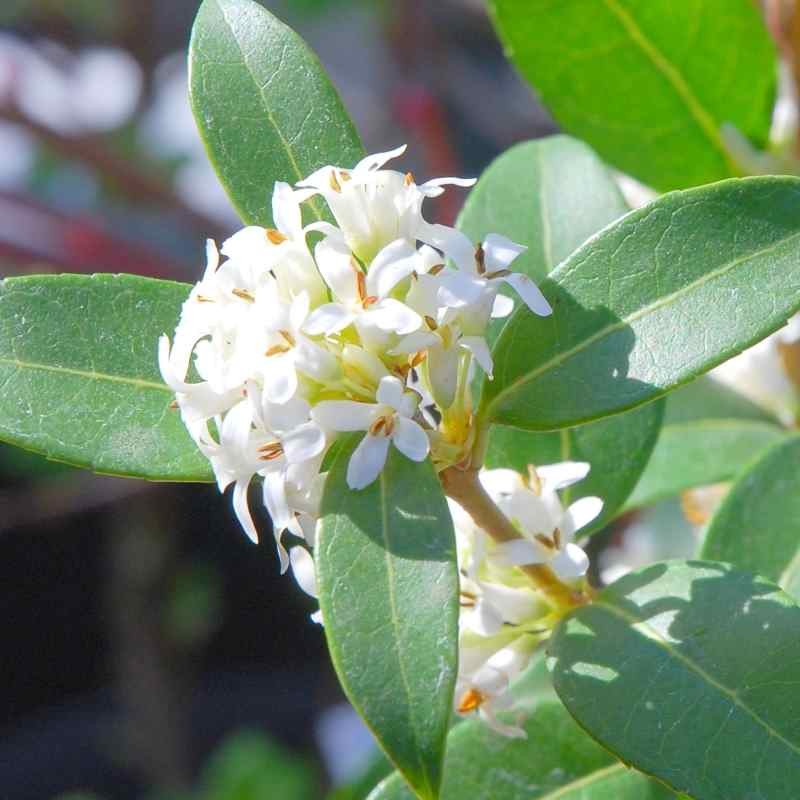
[[395, 617], [732, 695], [696, 110], [313, 203], [139, 383], [624, 322]]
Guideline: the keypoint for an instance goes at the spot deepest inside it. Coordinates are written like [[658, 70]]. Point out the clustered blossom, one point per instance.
[[298, 334], [503, 616]]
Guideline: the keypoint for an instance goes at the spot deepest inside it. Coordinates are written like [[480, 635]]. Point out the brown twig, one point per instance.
[[465, 488]]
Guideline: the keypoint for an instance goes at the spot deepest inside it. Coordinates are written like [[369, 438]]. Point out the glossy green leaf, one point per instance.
[[264, 105], [78, 364], [686, 671], [557, 760], [758, 524], [648, 83], [618, 449], [652, 301], [388, 590], [710, 433]]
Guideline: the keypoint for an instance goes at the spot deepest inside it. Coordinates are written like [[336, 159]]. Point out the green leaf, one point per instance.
[[709, 435], [264, 106], [648, 83], [557, 760], [758, 524], [685, 670], [618, 449], [652, 301], [388, 590], [78, 365]]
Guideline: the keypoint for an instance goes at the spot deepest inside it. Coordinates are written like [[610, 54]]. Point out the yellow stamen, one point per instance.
[[361, 285], [543, 540], [203, 299], [335, 185], [435, 269], [431, 322], [288, 338], [471, 700], [244, 294], [276, 237], [270, 451], [498, 273], [409, 179], [276, 350]]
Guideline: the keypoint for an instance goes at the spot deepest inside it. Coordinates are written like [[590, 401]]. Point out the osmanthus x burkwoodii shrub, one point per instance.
[[440, 415]]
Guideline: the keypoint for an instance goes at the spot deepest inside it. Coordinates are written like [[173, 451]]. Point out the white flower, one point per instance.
[[473, 286], [546, 529], [364, 298], [375, 206], [487, 690], [388, 420], [305, 574]]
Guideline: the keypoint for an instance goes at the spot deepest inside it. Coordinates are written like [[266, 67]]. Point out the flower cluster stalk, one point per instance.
[[464, 486]]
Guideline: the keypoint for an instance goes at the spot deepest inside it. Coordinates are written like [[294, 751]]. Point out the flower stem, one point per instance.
[[464, 486]]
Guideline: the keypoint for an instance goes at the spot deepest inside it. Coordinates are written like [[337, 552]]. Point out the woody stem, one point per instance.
[[464, 486]]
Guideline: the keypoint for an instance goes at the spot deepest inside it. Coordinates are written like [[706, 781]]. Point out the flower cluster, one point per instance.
[[301, 333], [503, 616]]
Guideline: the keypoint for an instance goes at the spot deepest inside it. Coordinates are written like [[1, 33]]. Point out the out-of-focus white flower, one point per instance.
[[279, 349], [503, 617]]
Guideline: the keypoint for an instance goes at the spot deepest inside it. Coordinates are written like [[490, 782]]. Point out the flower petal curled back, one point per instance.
[[560, 476], [500, 252], [396, 261], [303, 569], [518, 553], [392, 316], [570, 563], [530, 293], [480, 352], [583, 511], [303, 443], [410, 439], [367, 461], [242, 510]]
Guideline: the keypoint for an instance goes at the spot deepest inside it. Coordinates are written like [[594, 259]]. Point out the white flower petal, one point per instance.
[[410, 439], [328, 319], [303, 443], [502, 306], [442, 371], [391, 391], [280, 378], [518, 552], [570, 563], [584, 511], [275, 500], [559, 476], [242, 509], [367, 461], [460, 289], [247, 245], [500, 252], [377, 160], [480, 350], [344, 415], [414, 342], [303, 570], [286, 211], [392, 316], [530, 293], [501, 481], [393, 263], [336, 266]]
